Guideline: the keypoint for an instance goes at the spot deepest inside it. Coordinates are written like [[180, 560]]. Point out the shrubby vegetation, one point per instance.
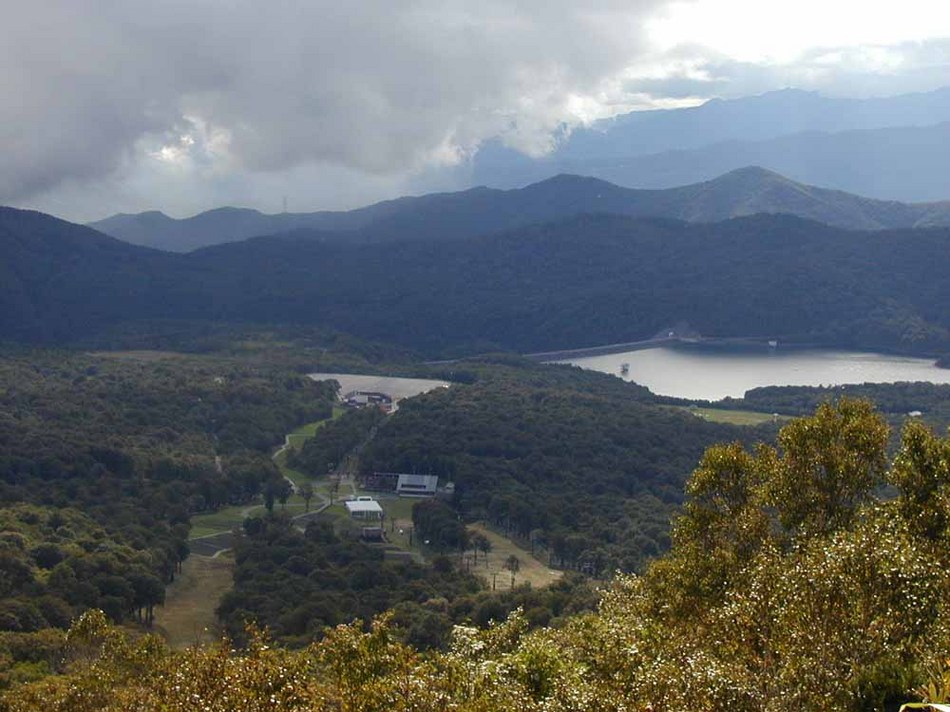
[[789, 586]]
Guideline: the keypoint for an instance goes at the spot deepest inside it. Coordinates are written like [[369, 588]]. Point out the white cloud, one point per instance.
[[761, 31], [378, 87]]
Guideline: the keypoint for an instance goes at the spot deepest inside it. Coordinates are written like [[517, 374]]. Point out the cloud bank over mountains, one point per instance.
[[376, 87], [184, 104]]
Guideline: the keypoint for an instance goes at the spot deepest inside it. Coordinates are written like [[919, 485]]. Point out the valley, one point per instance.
[[474, 357]]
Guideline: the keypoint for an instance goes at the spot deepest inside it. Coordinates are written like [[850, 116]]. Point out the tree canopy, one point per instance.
[[760, 604]]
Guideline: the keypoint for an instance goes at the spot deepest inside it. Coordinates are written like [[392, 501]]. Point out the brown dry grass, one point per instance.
[[188, 614], [531, 571]]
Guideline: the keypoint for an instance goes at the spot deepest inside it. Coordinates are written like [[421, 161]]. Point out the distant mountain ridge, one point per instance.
[[892, 148], [752, 118], [482, 210], [904, 163]]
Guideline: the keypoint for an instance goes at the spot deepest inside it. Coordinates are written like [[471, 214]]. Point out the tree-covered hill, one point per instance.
[[603, 279], [582, 281]]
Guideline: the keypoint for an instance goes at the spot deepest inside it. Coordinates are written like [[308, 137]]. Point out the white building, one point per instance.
[[364, 508]]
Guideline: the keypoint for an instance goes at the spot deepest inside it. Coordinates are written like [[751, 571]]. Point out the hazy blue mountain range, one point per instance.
[[904, 163], [485, 210], [890, 148], [581, 280], [753, 118]]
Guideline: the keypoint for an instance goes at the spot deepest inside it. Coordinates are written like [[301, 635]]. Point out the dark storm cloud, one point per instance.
[[372, 86]]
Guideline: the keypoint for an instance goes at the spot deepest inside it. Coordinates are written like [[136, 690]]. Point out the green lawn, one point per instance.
[[295, 440], [224, 520], [295, 476], [298, 437], [398, 508], [733, 417]]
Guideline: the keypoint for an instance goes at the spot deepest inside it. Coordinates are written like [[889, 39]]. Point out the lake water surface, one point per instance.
[[712, 374]]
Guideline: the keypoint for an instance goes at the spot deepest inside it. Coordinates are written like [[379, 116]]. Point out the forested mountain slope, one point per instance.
[[582, 281], [603, 279]]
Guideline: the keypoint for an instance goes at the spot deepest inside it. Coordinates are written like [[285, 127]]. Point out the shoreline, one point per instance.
[[732, 343], [607, 349]]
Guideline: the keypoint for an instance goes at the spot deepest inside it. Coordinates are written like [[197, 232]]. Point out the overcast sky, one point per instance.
[[185, 105]]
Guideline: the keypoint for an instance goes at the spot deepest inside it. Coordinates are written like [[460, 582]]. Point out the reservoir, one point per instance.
[[712, 374]]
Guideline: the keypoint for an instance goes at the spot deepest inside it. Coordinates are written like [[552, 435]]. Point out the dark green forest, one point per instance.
[[298, 583], [582, 281], [334, 441]]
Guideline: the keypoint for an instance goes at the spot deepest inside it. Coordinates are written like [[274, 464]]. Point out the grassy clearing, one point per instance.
[[224, 520], [733, 417], [531, 570], [188, 614], [295, 476], [298, 437], [295, 441], [401, 535], [398, 508]]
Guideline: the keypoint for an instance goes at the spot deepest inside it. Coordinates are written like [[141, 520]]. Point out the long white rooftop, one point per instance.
[[363, 505]]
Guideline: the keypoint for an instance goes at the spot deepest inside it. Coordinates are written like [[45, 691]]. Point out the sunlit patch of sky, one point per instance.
[[765, 31]]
